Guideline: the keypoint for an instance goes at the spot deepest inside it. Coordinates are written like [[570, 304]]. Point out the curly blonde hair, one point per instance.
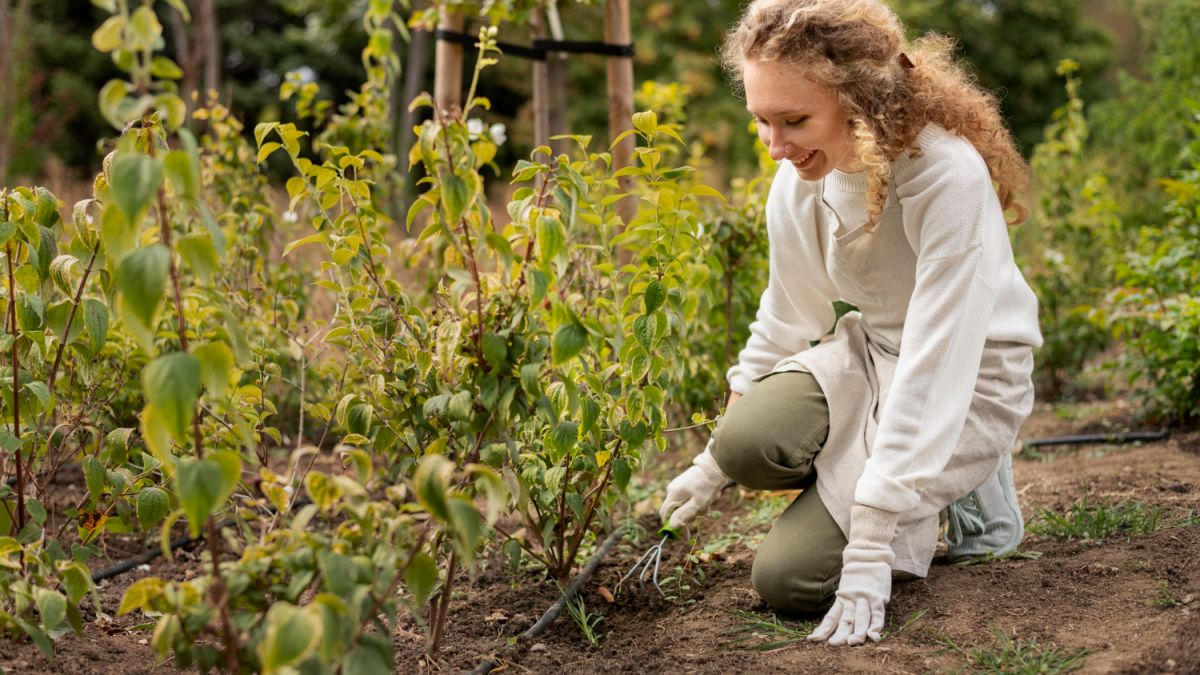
[[889, 89]]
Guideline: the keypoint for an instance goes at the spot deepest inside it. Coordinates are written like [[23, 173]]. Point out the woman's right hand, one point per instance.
[[693, 490]]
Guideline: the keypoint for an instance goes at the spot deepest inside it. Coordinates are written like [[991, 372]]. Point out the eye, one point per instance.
[[796, 121]]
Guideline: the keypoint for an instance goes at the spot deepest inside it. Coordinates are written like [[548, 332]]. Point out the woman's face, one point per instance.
[[798, 120]]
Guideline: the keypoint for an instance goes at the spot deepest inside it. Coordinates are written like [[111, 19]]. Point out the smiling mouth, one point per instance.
[[804, 160]]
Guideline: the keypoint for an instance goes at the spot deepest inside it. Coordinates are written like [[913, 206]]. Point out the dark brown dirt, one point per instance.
[[1130, 602]]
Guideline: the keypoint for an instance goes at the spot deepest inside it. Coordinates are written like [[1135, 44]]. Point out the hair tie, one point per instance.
[[905, 61]]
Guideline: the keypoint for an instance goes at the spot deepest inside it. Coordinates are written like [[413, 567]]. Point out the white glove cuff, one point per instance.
[[871, 530], [708, 464]]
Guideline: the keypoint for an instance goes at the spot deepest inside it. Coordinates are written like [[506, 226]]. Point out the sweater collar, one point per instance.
[[857, 182]]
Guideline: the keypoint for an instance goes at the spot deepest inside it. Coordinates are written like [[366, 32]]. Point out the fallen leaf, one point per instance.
[[606, 594]]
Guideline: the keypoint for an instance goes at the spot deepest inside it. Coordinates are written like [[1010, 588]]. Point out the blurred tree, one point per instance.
[[1013, 47], [1143, 132]]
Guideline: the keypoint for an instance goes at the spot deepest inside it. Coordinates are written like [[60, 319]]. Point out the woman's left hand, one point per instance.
[[858, 612], [866, 585]]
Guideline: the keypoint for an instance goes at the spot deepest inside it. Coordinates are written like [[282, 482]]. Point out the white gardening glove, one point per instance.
[[693, 490], [866, 585]]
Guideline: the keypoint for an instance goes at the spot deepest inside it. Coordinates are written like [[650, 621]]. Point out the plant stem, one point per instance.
[[217, 591], [438, 624], [591, 511], [16, 383]]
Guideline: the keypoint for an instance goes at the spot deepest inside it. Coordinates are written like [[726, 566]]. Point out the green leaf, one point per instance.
[[144, 29], [142, 278], [198, 251], [216, 367], [421, 576], [108, 36], [183, 173], [645, 122], [643, 330], [31, 312], [621, 473], [569, 340], [495, 350], [366, 660], [654, 296], [156, 434], [140, 595], [7, 230], [455, 196], [203, 485], [117, 235], [135, 179], [95, 476], [310, 239], [77, 580], [164, 68], [466, 525], [95, 317], [52, 605], [551, 239], [539, 284], [431, 482], [60, 272], [171, 383], [266, 149], [153, 505], [291, 635]]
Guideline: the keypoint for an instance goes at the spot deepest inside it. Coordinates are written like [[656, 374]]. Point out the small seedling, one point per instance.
[[752, 628], [585, 620], [1006, 655], [1088, 521]]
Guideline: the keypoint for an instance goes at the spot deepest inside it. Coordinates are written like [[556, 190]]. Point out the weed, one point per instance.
[[753, 627], [1088, 521], [990, 557], [1006, 655], [1165, 599], [912, 618], [587, 621]]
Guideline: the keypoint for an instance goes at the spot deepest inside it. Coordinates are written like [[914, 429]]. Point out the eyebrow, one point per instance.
[[786, 112]]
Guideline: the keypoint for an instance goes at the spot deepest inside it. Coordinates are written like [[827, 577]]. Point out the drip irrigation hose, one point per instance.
[[176, 544], [1119, 437], [150, 554], [553, 613]]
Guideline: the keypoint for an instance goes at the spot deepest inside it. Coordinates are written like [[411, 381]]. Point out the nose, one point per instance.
[[777, 148]]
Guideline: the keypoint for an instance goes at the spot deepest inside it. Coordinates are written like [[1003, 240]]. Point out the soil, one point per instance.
[[1127, 604]]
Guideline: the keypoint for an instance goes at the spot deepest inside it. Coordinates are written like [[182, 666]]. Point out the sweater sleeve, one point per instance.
[[796, 307], [948, 202]]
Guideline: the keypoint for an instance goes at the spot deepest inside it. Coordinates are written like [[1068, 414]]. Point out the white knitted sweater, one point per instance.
[[951, 287]]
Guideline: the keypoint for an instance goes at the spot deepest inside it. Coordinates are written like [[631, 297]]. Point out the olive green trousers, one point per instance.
[[767, 441]]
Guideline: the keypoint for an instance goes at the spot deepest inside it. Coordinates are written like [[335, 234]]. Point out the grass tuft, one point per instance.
[[1088, 521], [1006, 655], [585, 620], [767, 633], [770, 633]]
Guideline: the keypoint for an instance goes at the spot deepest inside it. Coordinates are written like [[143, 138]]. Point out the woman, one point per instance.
[[897, 174]]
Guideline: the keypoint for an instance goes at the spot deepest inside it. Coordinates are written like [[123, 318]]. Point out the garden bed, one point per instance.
[[1127, 603]]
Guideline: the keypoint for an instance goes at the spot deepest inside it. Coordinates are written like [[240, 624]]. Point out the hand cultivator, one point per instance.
[[648, 564]]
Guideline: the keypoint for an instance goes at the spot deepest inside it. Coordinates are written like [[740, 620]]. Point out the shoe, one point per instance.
[[986, 520]]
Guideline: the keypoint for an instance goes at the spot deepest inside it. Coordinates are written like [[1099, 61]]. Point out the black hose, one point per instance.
[[553, 613], [1115, 437], [150, 554]]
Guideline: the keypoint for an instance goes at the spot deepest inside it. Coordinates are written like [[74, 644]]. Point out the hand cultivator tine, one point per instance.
[[649, 563]]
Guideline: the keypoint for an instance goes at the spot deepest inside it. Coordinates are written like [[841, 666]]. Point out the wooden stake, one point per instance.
[[447, 86], [541, 87], [620, 96]]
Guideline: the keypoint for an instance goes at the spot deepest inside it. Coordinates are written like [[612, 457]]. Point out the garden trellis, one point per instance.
[[549, 75]]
